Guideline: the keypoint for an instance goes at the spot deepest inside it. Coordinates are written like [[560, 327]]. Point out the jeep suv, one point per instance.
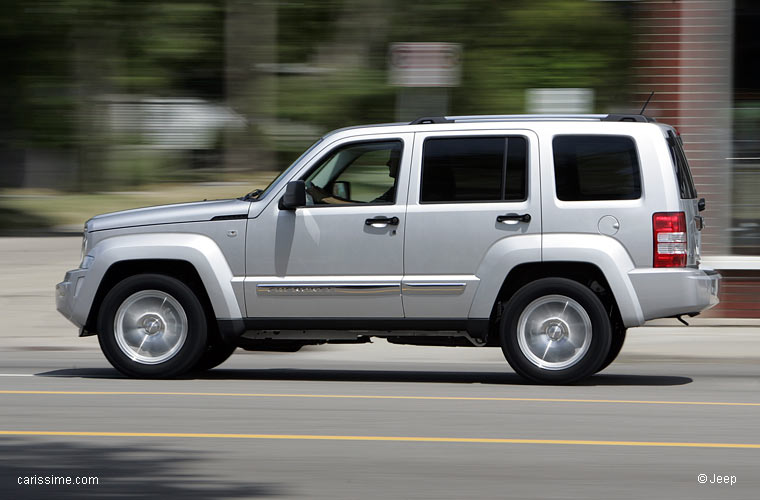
[[547, 236]]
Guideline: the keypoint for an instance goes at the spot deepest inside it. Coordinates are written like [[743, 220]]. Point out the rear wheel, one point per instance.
[[555, 330], [152, 326]]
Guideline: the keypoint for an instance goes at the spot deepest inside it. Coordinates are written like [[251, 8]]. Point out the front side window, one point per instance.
[[596, 167], [357, 173], [474, 169]]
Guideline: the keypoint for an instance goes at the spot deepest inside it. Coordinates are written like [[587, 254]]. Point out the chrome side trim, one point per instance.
[[433, 288], [328, 289]]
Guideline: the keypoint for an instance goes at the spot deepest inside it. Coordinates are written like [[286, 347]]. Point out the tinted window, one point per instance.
[[681, 165], [596, 167], [463, 169], [516, 181]]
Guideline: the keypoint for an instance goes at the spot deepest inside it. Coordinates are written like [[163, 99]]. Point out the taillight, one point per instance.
[[670, 243]]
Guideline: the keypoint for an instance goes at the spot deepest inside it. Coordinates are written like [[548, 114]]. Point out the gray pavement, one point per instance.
[[273, 439], [367, 421]]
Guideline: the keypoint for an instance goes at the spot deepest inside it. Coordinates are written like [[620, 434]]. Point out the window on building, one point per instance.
[[596, 167], [474, 169]]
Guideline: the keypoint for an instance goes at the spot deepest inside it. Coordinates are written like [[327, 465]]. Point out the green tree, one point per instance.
[[507, 48]]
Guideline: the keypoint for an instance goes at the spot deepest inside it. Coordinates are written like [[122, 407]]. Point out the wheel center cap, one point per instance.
[[152, 325], [555, 331]]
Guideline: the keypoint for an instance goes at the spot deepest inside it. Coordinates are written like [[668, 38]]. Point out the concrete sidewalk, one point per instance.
[[30, 268]]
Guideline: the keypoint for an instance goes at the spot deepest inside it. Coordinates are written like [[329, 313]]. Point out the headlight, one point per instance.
[[87, 261], [84, 245]]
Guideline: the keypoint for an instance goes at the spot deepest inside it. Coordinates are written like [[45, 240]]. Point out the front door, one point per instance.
[[340, 256]]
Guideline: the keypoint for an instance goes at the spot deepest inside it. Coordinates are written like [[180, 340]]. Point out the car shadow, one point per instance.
[[398, 376], [38, 468]]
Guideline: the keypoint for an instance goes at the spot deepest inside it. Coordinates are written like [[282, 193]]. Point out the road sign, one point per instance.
[[425, 64]]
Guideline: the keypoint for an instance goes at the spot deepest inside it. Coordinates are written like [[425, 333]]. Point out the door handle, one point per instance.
[[382, 221], [513, 218]]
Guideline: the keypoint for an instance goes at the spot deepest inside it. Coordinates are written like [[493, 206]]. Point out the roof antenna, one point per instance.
[[646, 103]]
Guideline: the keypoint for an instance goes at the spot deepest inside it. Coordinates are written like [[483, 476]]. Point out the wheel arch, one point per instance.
[[179, 269], [583, 258], [584, 273], [191, 257]]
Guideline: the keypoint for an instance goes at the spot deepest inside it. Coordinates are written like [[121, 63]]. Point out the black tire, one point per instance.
[[141, 297], [618, 339], [217, 352], [563, 362]]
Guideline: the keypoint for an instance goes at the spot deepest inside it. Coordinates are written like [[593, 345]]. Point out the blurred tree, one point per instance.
[[507, 48], [61, 57], [36, 89], [547, 44], [321, 63]]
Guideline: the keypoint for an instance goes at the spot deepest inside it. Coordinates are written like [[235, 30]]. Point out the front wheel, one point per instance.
[[216, 353], [152, 326], [556, 331], [618, 339]]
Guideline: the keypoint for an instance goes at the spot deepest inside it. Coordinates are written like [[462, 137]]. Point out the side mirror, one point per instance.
[[294, 197], [701, 204], [342, 190]]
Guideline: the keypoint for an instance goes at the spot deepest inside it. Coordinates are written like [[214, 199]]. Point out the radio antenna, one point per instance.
[[646, 103]]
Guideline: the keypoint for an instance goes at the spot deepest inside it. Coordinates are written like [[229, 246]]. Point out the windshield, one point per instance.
[[258, 194]]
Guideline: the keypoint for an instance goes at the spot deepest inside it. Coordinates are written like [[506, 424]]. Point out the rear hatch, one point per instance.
[[688, 193]]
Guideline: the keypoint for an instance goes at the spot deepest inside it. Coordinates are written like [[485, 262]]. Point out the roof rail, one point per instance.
[[431, 119], [628, 118], [534, 117], [543, 117]]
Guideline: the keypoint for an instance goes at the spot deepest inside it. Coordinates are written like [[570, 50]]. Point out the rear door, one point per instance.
[[467, 192]]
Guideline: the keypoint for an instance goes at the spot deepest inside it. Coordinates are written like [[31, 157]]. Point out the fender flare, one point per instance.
[[199, 251], [498, 262], [609, 255], [605, 252]]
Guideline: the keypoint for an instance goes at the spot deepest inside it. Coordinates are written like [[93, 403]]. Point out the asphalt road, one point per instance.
[[368, 421], [297, 426]]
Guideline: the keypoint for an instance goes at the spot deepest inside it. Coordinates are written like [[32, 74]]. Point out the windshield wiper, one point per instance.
[[252, 195]]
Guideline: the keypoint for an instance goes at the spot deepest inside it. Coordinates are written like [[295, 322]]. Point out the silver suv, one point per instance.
[[547, 236]]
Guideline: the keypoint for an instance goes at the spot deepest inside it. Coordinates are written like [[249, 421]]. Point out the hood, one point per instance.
[[170, 214]]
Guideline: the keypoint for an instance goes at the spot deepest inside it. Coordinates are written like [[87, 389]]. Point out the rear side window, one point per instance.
[[681, 165], [473, 169], [596, 167]]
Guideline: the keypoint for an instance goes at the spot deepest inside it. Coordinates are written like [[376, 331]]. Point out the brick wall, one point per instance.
[[739, 292], [684, 53]]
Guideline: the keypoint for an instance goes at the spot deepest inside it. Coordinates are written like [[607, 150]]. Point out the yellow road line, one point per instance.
[[413, 439], [365, 396]]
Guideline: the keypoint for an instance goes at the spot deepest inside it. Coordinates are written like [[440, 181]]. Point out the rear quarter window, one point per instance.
[[596, 167], [681, 166]]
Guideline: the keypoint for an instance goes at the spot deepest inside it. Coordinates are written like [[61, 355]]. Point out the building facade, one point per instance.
[[698, 57]]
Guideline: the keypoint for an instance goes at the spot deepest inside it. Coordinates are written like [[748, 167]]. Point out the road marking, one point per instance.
[[412, 439], [367, 396]]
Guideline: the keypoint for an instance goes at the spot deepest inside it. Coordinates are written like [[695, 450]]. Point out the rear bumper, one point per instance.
[[671, 292]]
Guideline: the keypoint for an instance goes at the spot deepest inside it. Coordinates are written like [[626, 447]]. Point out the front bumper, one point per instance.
[[66, 293], [669, 292]]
